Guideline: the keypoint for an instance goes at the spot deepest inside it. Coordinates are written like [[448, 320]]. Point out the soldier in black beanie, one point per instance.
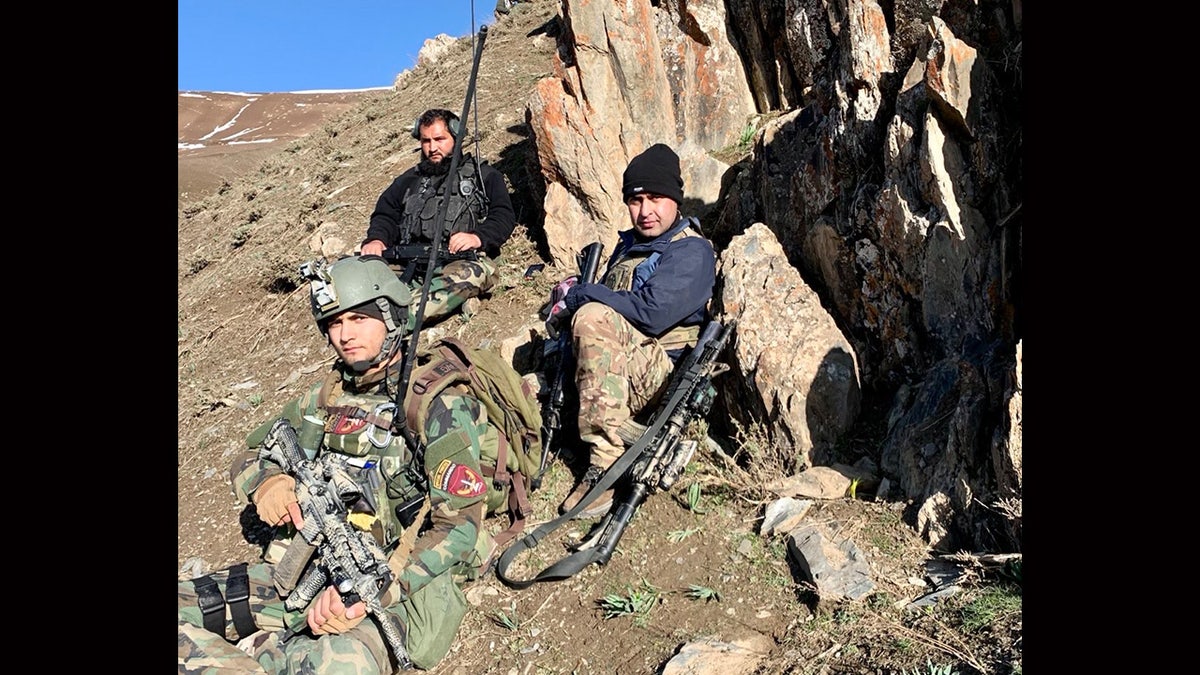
[[629, 329]]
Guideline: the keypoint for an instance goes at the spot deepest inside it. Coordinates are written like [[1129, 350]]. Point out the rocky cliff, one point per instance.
[[883, 152]]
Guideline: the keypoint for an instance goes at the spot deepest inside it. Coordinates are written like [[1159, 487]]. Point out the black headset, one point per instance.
[[453, 126]]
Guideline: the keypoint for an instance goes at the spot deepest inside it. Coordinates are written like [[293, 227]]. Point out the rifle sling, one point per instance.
[[212, 603], [237, 596], [518, 500], [398, 560]]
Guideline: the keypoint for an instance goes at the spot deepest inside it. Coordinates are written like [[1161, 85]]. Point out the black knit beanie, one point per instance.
[[655, 170]]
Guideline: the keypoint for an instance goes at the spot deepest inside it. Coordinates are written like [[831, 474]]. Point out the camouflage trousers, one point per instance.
[[620, 372], [452, 284], [431, 618]]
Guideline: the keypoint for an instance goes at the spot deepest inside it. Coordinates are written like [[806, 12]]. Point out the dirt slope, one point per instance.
[[246, 345], [223, 135]]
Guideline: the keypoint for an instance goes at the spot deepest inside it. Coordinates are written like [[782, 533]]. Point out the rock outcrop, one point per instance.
[[889, 171]]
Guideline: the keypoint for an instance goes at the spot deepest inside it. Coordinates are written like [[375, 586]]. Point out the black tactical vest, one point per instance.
[[423, 202]]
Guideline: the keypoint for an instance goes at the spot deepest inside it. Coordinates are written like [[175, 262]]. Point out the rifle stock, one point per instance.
[[589, 263]]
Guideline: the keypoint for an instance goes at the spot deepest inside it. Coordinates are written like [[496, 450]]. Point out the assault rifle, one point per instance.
[[416, 257], [348, 558], [561, 366], [653, 463]]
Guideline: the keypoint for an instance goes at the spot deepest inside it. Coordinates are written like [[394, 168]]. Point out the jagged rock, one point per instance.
[[1006, 446], [717, 657], [478, 592], [434, 49], [783, 515], [587, 124], [836, 569], [523, 348], [818, 482], [798, 372]]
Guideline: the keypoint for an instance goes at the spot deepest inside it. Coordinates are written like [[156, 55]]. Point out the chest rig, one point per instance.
[[630, 271], [360, 425], [423, 199]]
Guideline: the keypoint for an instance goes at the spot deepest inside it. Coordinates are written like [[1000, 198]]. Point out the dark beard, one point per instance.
[[428, 168]]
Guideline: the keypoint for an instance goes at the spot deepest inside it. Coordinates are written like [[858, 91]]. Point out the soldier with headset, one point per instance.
[[479, 217]]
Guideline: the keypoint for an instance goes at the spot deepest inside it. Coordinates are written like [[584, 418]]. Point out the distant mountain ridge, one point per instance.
[[222, 134]]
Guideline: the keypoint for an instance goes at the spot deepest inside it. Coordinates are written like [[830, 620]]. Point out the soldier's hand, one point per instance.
[[276, 501], [464, 241], [328, 615], [373, 247]]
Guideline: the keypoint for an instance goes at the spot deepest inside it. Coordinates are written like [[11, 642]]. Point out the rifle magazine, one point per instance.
[[287, 571]]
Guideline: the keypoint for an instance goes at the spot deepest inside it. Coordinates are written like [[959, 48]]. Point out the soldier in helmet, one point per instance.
[[430, 518], [479, 217]]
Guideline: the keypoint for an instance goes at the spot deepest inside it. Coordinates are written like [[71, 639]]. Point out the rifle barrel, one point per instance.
[[622, 514]]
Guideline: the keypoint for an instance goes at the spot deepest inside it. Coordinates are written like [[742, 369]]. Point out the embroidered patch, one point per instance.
[[458, 479], [343, 424]]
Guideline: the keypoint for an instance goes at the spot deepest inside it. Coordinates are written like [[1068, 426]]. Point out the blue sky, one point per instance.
[[259, 46]]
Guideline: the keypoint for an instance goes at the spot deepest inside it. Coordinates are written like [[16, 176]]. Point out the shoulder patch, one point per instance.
[[459, 480]]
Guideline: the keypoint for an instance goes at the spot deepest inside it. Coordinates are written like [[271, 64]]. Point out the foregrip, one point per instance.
[[308, 588]]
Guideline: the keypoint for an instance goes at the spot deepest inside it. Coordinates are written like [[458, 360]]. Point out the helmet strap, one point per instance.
[[395, 334]]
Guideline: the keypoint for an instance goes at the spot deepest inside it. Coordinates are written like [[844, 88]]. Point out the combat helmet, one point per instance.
[[354, 281]]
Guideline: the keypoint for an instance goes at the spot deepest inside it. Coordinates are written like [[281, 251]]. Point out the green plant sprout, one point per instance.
[[676, 536], [637, 604], [704, 593], [693, 498]]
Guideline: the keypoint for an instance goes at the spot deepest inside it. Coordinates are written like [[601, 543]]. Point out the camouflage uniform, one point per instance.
[[407, 212], [628, 330], [450, 548], [453, 284]]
